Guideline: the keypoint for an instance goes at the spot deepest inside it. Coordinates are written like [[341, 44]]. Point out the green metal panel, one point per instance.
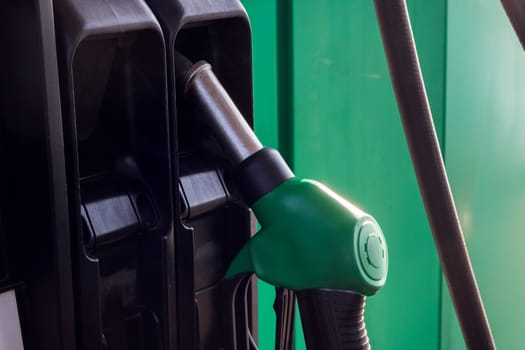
[[263, 21], [485, 157], [347, 134], [345, 131], [339, 124]]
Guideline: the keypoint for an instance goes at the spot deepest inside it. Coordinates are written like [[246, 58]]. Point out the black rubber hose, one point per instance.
[[516, 12], [421, 137], [333, 320]]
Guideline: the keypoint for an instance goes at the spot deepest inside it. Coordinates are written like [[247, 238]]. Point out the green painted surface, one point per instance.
[[345, 131], [264, 31], [485, 157], [348, 135], [344, 116]]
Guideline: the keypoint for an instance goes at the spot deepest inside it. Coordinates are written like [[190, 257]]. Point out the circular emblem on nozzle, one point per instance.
[[373, 254]]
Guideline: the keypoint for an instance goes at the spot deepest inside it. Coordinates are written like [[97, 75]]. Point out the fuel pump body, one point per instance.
[[136, 224], [35, 270], [213, 224], [114, 105], [36, 293]]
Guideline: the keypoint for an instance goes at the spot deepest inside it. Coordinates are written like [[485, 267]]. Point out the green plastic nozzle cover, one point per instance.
[[312, 238]]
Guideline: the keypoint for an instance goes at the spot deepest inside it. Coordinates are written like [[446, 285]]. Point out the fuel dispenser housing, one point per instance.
[[35, 253], [116, 223], [213, 224]]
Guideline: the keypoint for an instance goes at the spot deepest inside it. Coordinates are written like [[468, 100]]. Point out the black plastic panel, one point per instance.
[[113, 88], [35, 244], [213, 225], [3, 256], [217, 224], [3, 243]]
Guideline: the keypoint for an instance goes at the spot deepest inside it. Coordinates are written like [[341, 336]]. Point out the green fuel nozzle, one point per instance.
[[311, 240]]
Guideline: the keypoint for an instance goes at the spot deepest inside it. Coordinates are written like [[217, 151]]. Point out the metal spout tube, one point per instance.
[[216, 108], [421, 137]]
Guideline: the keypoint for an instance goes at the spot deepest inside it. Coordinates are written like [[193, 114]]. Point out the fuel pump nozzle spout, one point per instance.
[[311, 240], [203, 89]]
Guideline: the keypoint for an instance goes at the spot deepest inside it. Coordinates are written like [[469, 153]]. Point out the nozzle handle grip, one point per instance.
[[333, 319]]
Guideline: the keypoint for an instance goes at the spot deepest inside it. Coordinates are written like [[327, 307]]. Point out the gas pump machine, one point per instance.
[[134, 155]]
